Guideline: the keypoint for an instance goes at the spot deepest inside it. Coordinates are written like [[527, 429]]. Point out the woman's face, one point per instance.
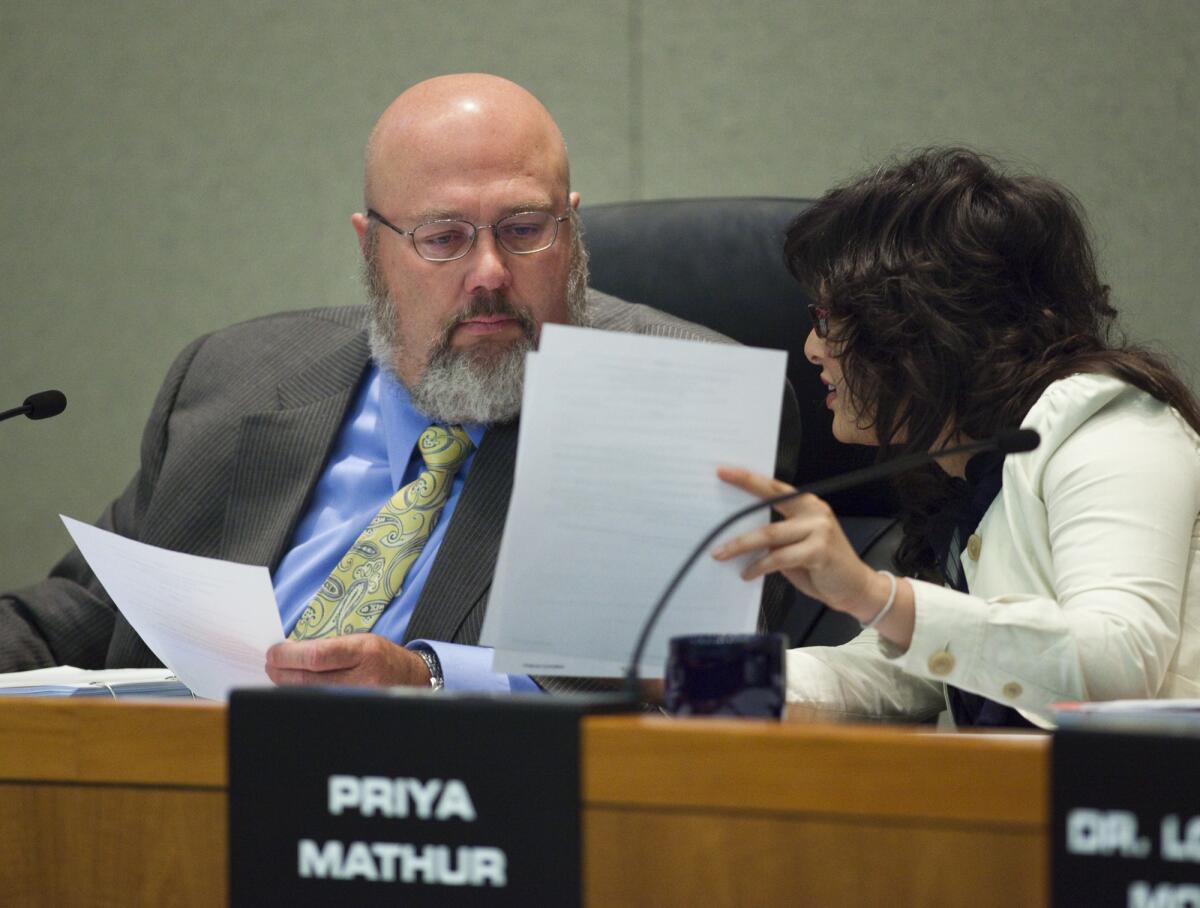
[[847, 422]]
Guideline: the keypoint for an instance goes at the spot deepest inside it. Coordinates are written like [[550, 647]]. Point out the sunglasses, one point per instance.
[[820, 319]]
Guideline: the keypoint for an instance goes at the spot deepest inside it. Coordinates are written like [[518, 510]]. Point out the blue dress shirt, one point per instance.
[[374, 455]]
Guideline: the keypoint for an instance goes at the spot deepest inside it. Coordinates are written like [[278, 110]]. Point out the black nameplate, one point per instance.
[[1125, 826], [361, 798]]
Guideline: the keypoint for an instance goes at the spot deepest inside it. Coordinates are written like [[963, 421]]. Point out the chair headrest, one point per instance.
[[719, 262]]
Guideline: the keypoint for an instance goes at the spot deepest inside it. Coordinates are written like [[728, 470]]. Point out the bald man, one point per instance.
[[295, 440]]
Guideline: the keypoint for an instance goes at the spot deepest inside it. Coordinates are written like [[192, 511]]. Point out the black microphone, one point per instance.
[[41, 405], [1012, 441]]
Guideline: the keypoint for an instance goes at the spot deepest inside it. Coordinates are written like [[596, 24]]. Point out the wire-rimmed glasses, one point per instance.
[[523, 233]]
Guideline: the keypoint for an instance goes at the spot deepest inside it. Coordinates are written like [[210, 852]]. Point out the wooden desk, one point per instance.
[[105, 803]]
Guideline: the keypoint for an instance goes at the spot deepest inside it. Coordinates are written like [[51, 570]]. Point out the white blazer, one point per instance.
[[1084, 576]]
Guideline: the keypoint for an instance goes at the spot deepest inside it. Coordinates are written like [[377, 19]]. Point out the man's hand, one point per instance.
[[362, 659]]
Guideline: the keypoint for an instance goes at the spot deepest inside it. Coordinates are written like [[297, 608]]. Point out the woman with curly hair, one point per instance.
[[954, 302]]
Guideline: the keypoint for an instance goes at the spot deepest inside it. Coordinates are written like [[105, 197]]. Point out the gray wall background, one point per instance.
[[168, 168]]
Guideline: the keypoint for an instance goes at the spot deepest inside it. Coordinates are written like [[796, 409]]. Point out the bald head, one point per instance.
[[461, 124], [448, 157]]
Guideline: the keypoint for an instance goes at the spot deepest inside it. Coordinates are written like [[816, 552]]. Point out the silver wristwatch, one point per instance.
[[436, 680]]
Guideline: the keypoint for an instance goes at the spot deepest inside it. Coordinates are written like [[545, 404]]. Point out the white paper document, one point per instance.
[[615, 483], [209, 621]]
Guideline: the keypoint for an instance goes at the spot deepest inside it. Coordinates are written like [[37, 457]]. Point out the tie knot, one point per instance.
[[444, 448]]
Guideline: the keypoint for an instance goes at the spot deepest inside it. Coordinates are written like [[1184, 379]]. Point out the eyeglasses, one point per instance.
[[820, 319], [523, 233]]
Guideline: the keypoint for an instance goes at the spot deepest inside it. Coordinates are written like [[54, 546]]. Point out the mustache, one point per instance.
[[481, 305]]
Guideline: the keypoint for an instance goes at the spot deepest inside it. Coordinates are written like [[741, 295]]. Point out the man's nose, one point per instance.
[[487, 268]]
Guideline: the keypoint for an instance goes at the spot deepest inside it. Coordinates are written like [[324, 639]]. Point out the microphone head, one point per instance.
[[1017, 440], [45, 404]]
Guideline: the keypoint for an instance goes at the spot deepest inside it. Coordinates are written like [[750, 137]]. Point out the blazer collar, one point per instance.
[[281, 451]]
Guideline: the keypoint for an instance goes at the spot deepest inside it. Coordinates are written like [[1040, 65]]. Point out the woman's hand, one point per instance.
[[810, 549]]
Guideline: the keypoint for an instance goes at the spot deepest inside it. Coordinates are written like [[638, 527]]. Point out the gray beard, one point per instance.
[[470, 386]]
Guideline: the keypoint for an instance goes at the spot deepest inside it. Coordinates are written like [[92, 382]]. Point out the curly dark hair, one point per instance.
[[956, 294]]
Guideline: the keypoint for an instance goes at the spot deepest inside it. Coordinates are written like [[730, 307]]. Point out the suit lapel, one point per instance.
[[281, 453], [452, 603]]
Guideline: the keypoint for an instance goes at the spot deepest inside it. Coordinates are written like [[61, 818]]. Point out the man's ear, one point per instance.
[[573, 198], [360, 223]]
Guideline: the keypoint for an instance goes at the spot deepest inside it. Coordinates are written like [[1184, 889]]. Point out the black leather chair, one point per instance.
[[719, 262]]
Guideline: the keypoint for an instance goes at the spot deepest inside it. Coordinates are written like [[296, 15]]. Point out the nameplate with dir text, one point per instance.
[[1125, 824]]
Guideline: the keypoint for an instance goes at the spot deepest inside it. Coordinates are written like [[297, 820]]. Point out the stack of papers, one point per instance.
[[1171, 716], [69, 681]]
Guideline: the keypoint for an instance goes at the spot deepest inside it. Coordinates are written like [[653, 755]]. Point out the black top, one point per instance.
[[947, 533]]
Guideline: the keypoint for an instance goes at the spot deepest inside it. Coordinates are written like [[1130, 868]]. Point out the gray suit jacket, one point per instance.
[[235, 442]]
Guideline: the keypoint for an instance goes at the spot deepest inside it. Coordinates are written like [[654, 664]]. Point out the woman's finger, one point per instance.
[[754, 483], [788, 559], [770, 536], [766, 487]]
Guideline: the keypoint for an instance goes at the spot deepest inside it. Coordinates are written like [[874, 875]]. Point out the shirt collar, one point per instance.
[[403, 423]]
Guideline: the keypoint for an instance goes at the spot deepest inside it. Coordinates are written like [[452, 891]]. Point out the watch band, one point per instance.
[[436, 680]]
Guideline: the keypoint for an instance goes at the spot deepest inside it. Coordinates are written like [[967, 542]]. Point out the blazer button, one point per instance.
[[974, 546], [1012, 690], [941, 663]]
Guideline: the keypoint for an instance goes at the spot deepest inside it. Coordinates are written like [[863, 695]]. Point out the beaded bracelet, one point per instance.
[[887, 606]]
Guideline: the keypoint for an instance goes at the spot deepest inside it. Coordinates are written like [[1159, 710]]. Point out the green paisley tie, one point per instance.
[[371, 574]]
